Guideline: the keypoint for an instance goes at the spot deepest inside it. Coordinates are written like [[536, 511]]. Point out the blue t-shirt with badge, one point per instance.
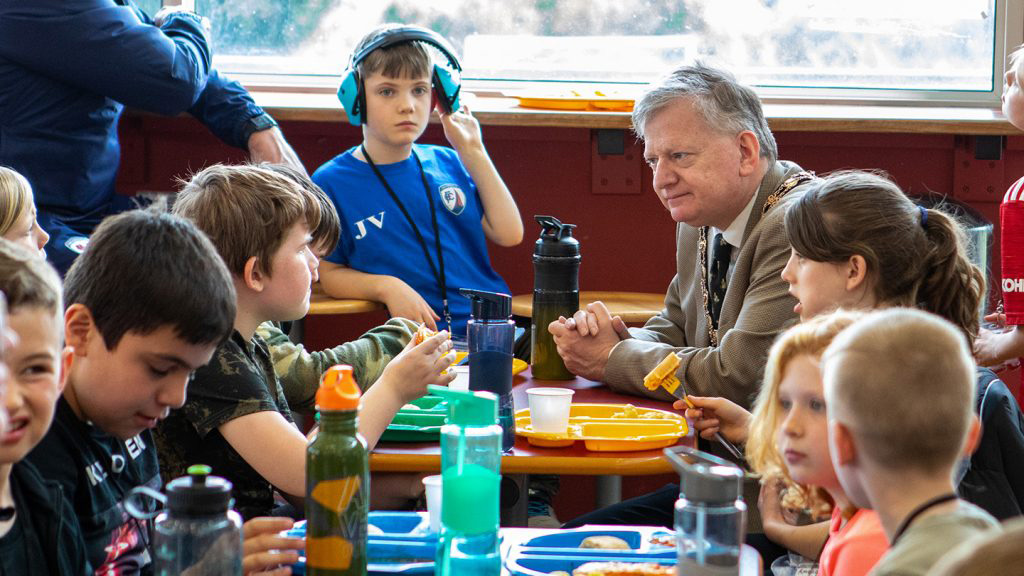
[[377, 238]]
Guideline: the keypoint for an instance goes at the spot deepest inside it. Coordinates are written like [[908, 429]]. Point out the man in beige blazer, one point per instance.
[[716, 171]]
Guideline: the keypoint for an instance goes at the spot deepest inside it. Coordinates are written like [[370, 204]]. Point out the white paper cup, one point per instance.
[[432, 484], [549, 409], [461, 381]]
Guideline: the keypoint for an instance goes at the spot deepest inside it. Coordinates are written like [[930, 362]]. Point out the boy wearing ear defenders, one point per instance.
[[415, 218]]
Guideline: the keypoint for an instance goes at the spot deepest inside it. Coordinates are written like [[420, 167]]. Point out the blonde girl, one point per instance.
[[18, 212]]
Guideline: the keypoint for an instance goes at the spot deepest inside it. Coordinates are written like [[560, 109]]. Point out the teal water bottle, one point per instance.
[[470, 485]]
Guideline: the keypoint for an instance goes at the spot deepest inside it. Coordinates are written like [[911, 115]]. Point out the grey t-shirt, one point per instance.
[[931, 537]]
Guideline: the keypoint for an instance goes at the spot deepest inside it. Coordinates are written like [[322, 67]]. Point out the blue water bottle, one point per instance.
[[491, 335], [470, 485]]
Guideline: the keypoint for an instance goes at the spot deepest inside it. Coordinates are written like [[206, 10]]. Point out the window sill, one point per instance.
[[782, 117]]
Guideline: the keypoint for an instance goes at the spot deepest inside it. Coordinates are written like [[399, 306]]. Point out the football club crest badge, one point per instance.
[[453, 197], [77, 244]]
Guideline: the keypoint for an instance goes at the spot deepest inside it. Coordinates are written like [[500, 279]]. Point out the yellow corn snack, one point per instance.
[[664, 375]]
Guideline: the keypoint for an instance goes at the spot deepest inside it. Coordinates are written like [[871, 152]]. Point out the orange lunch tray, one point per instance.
[[601, 431], [462, 357], [575, 100]]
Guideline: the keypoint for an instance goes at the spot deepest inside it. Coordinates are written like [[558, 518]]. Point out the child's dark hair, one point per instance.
[[405, 60], [915, 256], [328, 231], [146, 269]]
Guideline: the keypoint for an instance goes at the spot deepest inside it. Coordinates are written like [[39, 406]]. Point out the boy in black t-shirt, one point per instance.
[[37, 533], [147, 303]]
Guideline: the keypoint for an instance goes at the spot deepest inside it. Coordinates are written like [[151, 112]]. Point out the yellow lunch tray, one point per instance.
[[575, 100], [517, 364], [600, 431]]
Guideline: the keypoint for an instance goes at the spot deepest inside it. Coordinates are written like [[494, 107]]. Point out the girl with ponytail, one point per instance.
[[858, 242]]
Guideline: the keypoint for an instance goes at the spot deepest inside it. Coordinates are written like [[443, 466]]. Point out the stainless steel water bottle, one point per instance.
[[556, 292]]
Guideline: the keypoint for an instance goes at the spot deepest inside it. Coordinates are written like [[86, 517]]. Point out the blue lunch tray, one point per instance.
[[561, 550], [405, 547]]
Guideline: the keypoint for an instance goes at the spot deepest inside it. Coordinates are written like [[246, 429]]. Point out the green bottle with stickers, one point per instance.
[[337, 481]]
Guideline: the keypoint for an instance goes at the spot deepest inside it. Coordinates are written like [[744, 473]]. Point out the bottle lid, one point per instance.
[[468, 408], [555, 238], [489, 305], [704, 477], [338, 390], [199, 493]]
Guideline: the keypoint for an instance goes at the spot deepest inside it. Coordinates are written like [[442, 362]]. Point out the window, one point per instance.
[[946, 50]]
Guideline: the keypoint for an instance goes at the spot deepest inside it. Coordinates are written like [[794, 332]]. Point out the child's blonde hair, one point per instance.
[[809, 338], [1017, 63], [902, 381], [15, 198], [246, 211], [28, 281]]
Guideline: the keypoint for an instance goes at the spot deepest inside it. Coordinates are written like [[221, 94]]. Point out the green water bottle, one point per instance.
[[337, 481], [470, 485]]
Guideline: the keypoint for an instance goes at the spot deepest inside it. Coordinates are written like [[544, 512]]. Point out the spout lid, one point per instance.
[[468, 408], [704, 477], [555, 238], [489, 305]]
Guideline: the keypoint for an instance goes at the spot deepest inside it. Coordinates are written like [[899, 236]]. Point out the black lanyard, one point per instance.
[[918, 511], [438, 274]]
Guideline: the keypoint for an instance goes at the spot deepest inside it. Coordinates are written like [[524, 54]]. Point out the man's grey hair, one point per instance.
[[726, 105]]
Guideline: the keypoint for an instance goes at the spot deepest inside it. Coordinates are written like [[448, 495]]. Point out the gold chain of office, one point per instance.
[[702, 245]]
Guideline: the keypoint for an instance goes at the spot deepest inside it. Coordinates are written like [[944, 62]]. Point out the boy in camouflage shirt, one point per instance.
[[237, 417], [300, 370]]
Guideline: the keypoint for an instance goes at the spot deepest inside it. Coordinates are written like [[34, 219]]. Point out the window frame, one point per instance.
[[1009, 33]]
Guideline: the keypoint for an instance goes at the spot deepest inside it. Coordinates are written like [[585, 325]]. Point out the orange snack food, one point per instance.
[[422, 334]]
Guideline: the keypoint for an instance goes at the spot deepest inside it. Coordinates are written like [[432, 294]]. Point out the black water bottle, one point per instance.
[[556, 292]]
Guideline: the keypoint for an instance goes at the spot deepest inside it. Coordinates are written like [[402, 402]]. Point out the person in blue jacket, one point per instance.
[[67, 70]]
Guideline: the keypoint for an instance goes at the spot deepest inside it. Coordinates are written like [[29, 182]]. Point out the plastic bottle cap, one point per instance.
[[555, 238], [704, 477], [489, 305], [199, 493], [338, 390], [467, 408]]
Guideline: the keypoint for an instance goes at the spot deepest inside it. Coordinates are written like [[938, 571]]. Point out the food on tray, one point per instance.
[[624, 569], [664, 374], [605, 543], [373, 530], [628, 411], [409, 407], [559, 573], [667, 540]]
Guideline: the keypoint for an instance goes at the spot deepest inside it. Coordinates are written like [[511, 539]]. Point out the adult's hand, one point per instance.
[[585, 353], [270, 146], [596, 315]]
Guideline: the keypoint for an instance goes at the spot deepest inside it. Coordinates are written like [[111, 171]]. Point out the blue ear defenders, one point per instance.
[[446, 80]]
